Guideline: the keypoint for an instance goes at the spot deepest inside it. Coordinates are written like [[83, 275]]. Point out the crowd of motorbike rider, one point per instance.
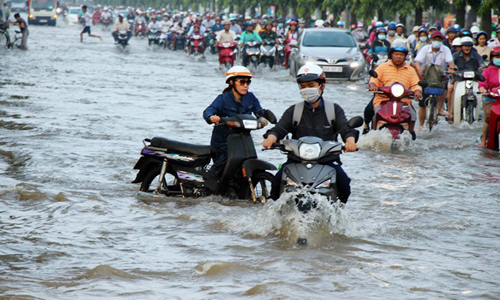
[[435, 54]]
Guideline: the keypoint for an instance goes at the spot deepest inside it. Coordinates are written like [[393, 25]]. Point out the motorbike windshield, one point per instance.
[[328, 39]]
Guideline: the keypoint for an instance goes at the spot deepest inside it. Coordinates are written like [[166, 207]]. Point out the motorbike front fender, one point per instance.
[[252, 165]]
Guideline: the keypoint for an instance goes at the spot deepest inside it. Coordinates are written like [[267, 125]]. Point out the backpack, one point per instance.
[[299, 108], [433, 74]]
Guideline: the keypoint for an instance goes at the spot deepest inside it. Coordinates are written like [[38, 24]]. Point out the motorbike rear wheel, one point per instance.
[[431, 112], [149, 184]]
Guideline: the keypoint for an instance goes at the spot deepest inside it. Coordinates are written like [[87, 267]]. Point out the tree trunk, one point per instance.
[[418, 15], [352, 18], [486, 21], [460, 15], [380, 15]]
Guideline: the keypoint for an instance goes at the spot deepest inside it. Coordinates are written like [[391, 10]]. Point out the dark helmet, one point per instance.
[[465, 32], [398, 46], [249, 23], [423, 29], [451, 29], [391, 26], [381, 30]]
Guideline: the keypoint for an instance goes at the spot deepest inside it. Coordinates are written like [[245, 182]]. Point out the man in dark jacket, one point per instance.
[[314, 122]]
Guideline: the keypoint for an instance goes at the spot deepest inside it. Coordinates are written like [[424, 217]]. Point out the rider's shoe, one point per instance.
[[413, 135]]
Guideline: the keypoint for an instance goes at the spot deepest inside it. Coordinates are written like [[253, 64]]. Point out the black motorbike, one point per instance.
[[268, 52], [175, 168], [252, 53], [154, 37], [309, 173], [122, 40]]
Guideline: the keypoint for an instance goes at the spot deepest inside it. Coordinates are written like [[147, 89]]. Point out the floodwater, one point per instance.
[[422, 223]]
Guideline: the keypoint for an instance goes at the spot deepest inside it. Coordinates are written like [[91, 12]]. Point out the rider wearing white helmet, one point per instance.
[[234, 100], [318, 118]]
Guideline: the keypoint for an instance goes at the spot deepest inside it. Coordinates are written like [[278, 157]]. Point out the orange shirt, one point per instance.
[[388, 74]]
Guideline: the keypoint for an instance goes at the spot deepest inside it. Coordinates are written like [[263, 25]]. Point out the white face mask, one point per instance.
[[310, 95]]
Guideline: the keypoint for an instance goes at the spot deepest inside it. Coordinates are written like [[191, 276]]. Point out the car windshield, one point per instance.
[[42, 4], [328, 39]]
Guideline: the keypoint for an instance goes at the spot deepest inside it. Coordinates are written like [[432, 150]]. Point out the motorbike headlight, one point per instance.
[[250, 124], [309, 151], [397, 90], [469, 75], [325, 184], [290, 182]]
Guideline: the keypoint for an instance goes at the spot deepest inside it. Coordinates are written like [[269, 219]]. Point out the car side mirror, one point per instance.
[[480, 77], [373, 74], [355, 122], [423, 83], [267, 114]]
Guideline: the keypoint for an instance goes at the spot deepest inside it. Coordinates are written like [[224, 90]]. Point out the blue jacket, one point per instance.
[[226, 105]]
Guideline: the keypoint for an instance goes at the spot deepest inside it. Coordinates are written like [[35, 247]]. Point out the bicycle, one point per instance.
[[431, 105], [4, 35]]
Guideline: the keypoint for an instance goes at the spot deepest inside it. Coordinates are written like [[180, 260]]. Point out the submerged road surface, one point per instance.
[[423, 223]]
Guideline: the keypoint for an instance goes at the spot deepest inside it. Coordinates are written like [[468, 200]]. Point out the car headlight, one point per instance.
[[354, 64], [290, 182], [250, 124], [309, 151], [308, 58], [397, 90], [325, 184]]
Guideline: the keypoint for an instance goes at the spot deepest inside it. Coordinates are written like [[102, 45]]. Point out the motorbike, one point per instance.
[[280, 51], [309, 173], [176, 168], [465, 104], [226, 53], [179, 40], [493, 140], [196, 45], [140, 30], [211, 39], [268, 52], [154, 37], [252, 51], [122, 39], [394, 114], [106, 23]]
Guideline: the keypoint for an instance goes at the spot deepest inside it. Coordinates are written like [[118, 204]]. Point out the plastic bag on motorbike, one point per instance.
[[433, 74]]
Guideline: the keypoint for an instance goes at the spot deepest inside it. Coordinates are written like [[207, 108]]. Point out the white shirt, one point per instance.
[[166, 25], [223, 36], [124, 26], [105, 15], [442, 58], [88, 19], [154, 26]]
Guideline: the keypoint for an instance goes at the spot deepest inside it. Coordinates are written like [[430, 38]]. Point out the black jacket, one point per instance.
[[313, 123]]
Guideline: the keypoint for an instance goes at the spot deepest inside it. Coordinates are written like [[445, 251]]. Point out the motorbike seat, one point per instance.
[[186, 148]]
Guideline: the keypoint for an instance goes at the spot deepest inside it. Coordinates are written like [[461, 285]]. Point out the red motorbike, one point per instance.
[[494, 125], [394, 114], [226, 54], [196, 45], [140, 29]]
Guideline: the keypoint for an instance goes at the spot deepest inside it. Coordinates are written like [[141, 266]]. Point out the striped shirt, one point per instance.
[[388, 74]]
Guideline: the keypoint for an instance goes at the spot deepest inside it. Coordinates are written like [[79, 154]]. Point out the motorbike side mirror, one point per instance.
[[480, 77], [269, 115], [423, 83], [375, 58], [373, 74], [355, 122]]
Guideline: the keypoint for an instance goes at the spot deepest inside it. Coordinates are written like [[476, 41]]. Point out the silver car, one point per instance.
[[335, 50]]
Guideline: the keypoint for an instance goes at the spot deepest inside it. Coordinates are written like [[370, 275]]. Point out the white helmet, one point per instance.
[[474, 29], [319, 24], [310, 72], [237, 71], [467, 41], [457, 42]]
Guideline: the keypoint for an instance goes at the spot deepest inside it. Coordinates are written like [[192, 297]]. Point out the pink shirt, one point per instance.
[[491, 76]]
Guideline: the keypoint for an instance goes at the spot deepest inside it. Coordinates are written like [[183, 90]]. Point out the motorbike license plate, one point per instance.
[[333, 69]]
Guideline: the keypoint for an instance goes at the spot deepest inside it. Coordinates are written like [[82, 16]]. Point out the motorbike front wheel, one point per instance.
[[262, 183], [470, 113]]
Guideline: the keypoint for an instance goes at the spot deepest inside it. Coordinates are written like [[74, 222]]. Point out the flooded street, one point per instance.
[[423, 223]]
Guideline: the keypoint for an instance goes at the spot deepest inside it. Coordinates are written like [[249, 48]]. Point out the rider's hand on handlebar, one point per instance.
[[268, 143], [418, 94], [264, 121], [482, 90], [350, 145], [215, 119], [372, 87]]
